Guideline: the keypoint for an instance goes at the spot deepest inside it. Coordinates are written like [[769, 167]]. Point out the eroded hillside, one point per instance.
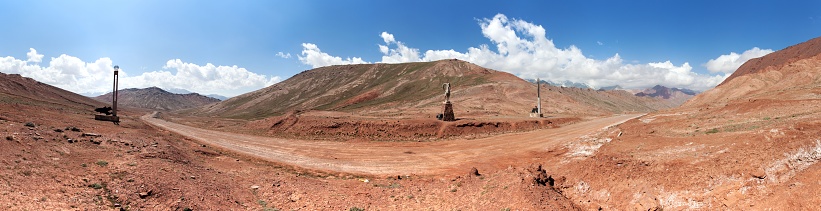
[[415, 89]]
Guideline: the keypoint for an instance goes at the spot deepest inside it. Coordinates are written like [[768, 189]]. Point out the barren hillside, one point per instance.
[[793, 73], [416, 89], [750, 143], [20, 90], [154, 98], [55, 156]]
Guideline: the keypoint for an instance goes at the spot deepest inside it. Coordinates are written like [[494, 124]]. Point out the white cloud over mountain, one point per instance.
[[311, 55], [33, 56], [73, 74], [728, 63], [523, 49]]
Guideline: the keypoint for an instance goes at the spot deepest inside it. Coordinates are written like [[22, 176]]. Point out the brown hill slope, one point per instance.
[[21, 90], [584, 101], [416, 89], [157, 99], [805, 50], [758, 130], [793, 73]]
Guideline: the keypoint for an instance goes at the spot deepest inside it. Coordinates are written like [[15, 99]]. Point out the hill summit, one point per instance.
[[416, 89], [154, 98]]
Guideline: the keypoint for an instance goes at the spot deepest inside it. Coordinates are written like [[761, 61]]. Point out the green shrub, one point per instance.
[[714, 130], [102, 163]]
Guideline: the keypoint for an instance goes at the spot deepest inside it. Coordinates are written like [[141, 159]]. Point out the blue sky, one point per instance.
[[170, 44]]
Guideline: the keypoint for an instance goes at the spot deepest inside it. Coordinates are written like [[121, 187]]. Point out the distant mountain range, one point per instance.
[[608, 88], [218, 97], [157, 99], [171, 90], [565, 83], [660, 91], [183, 91], [676, 96]]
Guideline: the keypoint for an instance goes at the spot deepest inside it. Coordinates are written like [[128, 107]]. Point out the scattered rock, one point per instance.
[[759, 174], [255, 187], [58, 130], [72, 128], [540, 177], [474, 172], [91, 135], [30, 124], [70, 141], [96, 142], [294, 197], [145, 194]]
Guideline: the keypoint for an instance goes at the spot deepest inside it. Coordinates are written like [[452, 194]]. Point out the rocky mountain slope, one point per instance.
[[676, 96], [416, 89], [793, 73], [157, 99], [17, 89], [752, 141]]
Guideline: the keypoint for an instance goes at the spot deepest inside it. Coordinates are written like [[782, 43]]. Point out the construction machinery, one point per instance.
[[110, 112]]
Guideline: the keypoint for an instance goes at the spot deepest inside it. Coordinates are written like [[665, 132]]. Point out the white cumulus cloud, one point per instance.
[[33, 56], [523, 49], [401, 54], [73, 74], [208, 78], [284, 55], [388, 38], [728, 63], [312, 55]]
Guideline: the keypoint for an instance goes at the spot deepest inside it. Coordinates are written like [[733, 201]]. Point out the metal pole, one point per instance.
[[114, 98], [538, 96]]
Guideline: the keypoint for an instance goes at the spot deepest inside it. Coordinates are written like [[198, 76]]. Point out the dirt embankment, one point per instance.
[[64, 160], [304, 125]]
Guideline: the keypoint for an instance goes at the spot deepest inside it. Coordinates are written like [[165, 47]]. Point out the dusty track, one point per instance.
[[393, 158]]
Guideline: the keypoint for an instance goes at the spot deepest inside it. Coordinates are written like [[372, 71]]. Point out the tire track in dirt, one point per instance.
[[393, 158]]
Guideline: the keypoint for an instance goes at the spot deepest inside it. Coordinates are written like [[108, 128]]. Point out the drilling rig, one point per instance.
[[110, 112]]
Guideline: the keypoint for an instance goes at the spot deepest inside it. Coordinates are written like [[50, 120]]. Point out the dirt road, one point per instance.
[[395, 158]]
